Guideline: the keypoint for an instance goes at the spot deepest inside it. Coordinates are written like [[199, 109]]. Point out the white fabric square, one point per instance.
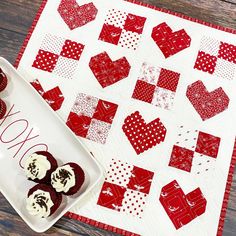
[[149, 73], [163, 98], [98, 131], [187, 138], [133, 203], [52, 43], [202, 164], [116, 18], [119, 173], [225, 69], [210, 46], [129, 39], [65, 67], [85, 105]]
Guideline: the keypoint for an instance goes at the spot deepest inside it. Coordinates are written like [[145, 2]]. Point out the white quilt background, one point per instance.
[[155, 221]]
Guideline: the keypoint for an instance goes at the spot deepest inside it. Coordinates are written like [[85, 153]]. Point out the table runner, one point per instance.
[[151, 94]]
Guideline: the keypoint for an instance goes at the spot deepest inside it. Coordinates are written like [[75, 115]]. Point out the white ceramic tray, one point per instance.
[[32, 126]]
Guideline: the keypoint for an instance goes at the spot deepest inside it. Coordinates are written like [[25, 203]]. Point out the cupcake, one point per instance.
[[3, 108], [43, 200], [68, 178], [39, 167], [3, 80]]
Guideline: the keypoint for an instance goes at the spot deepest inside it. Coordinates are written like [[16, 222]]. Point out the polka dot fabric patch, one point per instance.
[[206, 62], [45, 61], [157, 86], [72, 50], [143, 136], [123, 29], [58, 56], [217, 58], [126, 188]]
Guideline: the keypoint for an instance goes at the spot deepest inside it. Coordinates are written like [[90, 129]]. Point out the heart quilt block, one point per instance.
[[108, 72], [170, 42], [143, 136], [207, 104], [75, 15]]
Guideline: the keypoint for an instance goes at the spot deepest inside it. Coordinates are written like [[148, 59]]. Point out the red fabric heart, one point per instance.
[[108, 72], [53, 97], [168, 41], [143, 136], [207, 104], [76, 16], [182, 208]]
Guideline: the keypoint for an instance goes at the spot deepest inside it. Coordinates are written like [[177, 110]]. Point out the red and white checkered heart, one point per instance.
[[108, 72], [168, 41], [76, 16], [143, 136], [207, 104]]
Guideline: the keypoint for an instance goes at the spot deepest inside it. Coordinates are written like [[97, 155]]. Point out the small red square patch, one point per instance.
[[208, 144], [72, 50], [105, 111], [110, 34], [144, 91], [140, 180], [181, 158], [45, 61], [205, 62], [78, 124], [111, 196], [227, 52], [134, 23], [54, 98], [168, 80]]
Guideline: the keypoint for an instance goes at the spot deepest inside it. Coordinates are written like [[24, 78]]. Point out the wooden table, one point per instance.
[[15, 19]]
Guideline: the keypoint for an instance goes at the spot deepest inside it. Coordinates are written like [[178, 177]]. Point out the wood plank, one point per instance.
[[10, 44], [17, 16], [215, 11]]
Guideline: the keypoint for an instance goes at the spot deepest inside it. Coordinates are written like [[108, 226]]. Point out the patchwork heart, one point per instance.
[[53, 97], [143, 136], [76, 16], [182, 208], [207, 104], [168, 41], [108, 72]]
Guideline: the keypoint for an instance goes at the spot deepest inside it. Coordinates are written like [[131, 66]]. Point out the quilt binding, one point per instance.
[[233, 160]]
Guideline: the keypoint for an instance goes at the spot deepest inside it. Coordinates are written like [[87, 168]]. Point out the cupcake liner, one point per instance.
[[3, 80], [53, 162], [79, 178], [3, 108], [55, 197]]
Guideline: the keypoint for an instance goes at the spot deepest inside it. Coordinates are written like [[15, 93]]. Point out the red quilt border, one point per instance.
[[233, 160]]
